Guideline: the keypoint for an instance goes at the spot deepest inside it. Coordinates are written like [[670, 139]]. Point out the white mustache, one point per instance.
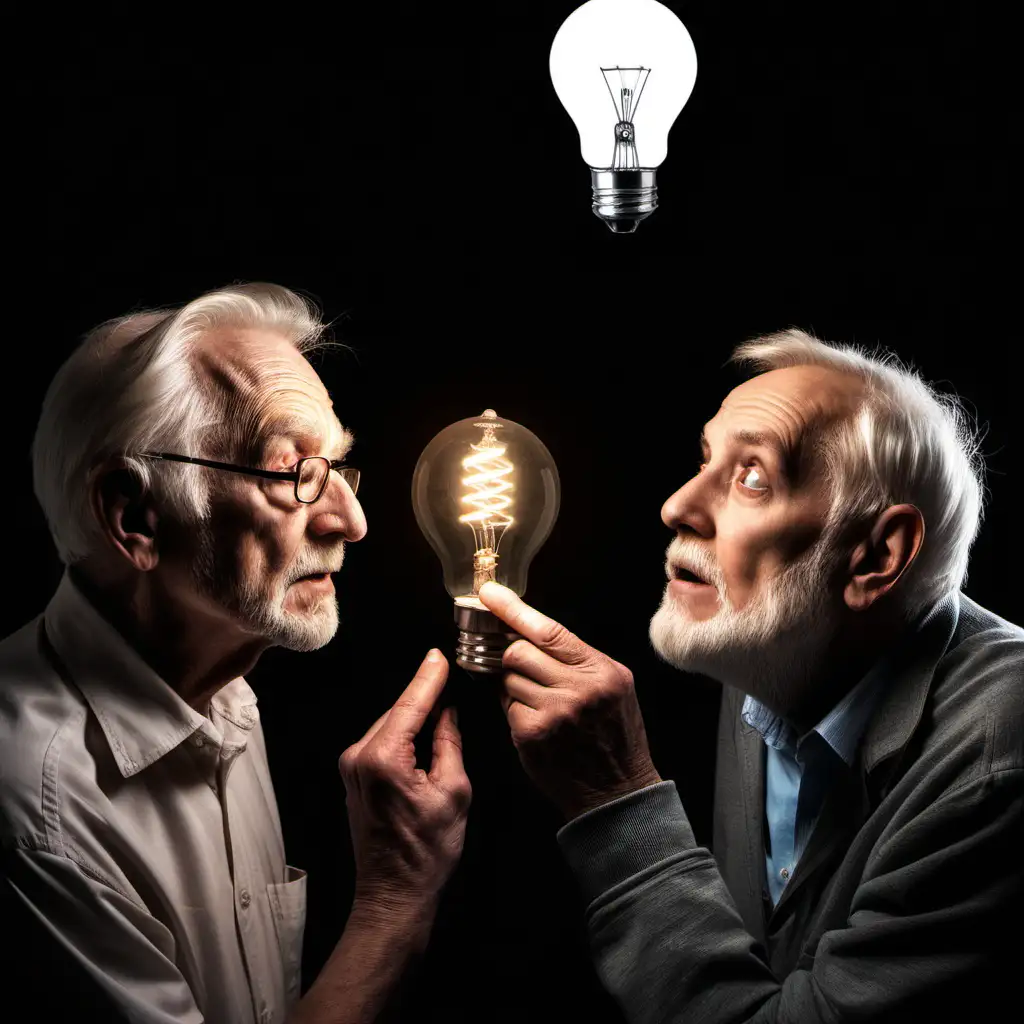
[[315, 568], [685, 555]]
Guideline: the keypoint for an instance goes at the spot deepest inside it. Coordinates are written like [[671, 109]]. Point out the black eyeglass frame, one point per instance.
[[348, 473]]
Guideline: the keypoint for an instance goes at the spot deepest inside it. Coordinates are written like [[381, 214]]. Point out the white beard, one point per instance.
[[772, 647], [263, 614]]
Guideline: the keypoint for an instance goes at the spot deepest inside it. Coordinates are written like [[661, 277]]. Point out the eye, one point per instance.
[[752, 479]]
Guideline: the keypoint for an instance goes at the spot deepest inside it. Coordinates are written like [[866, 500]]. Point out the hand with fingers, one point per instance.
[[407, 823], [572, 710]]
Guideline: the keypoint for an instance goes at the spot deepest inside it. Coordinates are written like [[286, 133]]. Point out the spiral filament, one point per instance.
[[489, 497], [625, 99]]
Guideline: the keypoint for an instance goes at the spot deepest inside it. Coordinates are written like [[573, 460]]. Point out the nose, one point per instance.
[[688, 508], [338, 512]]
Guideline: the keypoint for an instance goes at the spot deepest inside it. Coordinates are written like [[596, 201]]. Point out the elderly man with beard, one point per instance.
[[193, 475], [869, 781]]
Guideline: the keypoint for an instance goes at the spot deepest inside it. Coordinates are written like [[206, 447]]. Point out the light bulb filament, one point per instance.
[[489, 497], [625, 155], [489, 486]]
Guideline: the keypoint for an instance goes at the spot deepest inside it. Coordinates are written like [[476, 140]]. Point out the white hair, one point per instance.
[[132, 385], [906, 442]]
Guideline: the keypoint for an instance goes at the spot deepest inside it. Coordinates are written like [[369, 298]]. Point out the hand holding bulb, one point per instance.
[[572, 710]]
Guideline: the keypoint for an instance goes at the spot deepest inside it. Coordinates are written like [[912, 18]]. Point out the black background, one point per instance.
[[843, 169]]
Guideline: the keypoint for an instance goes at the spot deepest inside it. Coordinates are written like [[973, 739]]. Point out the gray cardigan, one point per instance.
[[907, 902]]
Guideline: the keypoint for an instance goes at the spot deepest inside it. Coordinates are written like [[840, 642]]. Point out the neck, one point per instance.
[[843, 661], [193, 650]]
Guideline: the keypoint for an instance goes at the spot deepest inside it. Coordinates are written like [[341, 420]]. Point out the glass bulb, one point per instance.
[[623, 70], [485, 492]]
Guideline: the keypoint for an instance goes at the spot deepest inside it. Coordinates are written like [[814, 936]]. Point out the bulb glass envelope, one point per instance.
[[653, 49], [485, 493]]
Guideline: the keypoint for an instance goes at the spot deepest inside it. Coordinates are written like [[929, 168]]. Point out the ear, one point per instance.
[[879, 560], [126, 514]]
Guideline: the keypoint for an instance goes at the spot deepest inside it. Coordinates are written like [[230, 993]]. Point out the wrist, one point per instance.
[[593, 799], [385, 935], [381, 910]]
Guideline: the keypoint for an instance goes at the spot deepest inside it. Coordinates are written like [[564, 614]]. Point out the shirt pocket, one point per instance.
[[288, 907]]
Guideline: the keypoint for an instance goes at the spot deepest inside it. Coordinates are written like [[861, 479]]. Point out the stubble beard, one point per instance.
[[773, 647]]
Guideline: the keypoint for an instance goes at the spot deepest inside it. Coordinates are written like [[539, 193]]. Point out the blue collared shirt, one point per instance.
[[798, 769]]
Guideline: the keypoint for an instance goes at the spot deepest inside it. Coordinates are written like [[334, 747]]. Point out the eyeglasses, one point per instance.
[[310, 474]]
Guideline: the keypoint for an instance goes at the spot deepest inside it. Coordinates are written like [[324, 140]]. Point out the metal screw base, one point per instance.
[[483, 638], [624, 198]]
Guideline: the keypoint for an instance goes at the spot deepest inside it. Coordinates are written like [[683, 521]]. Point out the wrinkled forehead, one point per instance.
[[795, 400], [272, 391]]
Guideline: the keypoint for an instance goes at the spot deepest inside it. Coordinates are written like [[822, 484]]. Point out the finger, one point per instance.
[[354, 750], [446, 766], [523, 722], [372, 731], [518, 688], [526, 659], [545, 633], [412, 707]]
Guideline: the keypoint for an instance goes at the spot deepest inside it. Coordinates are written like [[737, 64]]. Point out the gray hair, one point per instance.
[[132, 385], [906, 442]]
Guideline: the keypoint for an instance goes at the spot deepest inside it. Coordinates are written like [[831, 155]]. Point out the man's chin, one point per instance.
[[293, 627], [707, 647], [671, 634], [302, 644], [309, 630]]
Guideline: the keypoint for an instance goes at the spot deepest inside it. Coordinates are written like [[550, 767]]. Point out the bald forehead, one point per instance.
[[801, 397]]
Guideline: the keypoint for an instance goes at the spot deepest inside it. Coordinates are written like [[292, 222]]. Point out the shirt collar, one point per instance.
[[141, 716], [843, 726]]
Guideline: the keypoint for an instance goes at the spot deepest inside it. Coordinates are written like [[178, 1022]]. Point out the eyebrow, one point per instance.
[[302, 430], [759, 439]]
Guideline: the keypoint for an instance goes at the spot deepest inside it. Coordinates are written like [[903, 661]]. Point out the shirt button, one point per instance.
[[245, 899], [784, 873], [198, 740]]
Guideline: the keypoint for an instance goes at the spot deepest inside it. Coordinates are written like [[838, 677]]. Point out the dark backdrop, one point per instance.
[[844, 170]]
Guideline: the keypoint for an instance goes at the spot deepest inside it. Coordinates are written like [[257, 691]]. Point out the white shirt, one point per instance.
[[143, 835]]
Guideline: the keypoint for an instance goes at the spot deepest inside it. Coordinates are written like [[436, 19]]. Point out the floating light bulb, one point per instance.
[[632, 51], [485, 492]]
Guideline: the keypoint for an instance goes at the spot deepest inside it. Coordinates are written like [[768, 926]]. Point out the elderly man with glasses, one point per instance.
[[193, 475]]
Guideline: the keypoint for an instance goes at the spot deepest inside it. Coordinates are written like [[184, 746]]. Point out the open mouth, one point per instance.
[[688, 576]]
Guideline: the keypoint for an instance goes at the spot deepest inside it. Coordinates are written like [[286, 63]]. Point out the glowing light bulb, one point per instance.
[[485, 492], [638, 53]]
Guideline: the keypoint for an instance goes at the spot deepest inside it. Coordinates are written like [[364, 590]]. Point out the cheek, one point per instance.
[[753, 548], [748, 550], [266, 556], [251, 558], [258, 546], [740, 562]]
